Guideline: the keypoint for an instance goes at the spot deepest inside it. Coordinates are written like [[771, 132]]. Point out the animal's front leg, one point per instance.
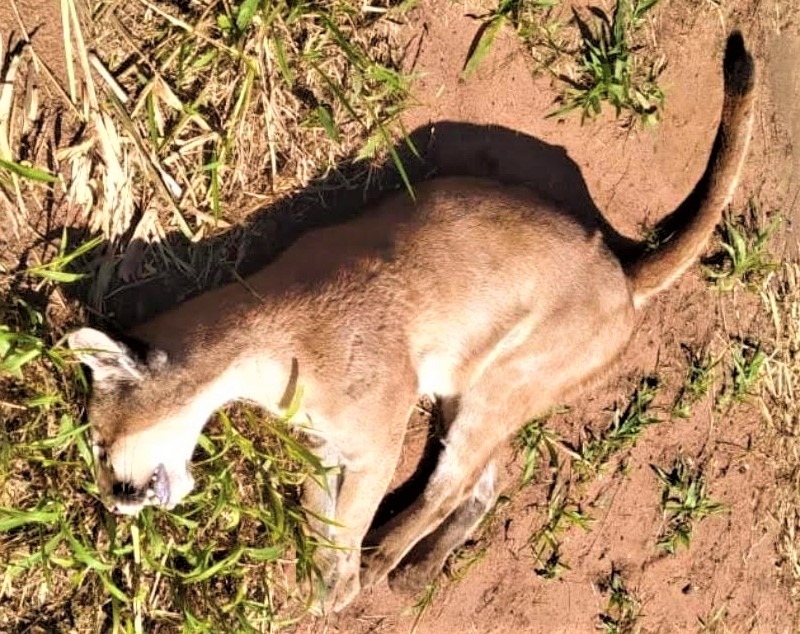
[[320, 496], [364, 474]]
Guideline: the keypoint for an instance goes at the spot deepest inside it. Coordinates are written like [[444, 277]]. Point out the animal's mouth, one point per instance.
[[158, 491], [128, 499]]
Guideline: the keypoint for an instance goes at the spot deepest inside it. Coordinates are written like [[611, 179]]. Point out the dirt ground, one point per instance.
[[731, 578]]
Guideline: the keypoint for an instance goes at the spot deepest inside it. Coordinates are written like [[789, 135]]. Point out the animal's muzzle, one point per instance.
[[129, 499]]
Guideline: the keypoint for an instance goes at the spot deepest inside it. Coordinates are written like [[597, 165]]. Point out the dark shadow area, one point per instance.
[[399, 498], [444, 149]]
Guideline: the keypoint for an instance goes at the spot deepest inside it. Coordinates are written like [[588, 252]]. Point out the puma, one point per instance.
[[494, 302]]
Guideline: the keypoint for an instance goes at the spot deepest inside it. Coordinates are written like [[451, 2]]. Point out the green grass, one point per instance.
[[563, 513], [697, 383], [744, 259], [626, 427], [219, 561], [233, 557], [685, 502], [423, 603], [609, 70], [623, 609], [23, 326], [747, 366], [533, 23], [748, 363], [536, 442], [464, 559]]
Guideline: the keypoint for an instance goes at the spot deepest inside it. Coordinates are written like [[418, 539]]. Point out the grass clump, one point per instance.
[[533, 22], [626, 427], [744, 260], [545, 543], [684, 502], [609, 70], [536, 442], [748, 363], [623, 609], [697, 382], [303, 83]]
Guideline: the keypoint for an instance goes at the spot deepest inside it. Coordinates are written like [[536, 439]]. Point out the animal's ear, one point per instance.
[[111, 362]]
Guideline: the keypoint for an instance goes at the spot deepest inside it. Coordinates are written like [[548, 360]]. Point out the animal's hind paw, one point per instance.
[[375, 566], [411, 579]]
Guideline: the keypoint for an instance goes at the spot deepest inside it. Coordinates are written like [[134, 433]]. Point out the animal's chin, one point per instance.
[[126, 508]]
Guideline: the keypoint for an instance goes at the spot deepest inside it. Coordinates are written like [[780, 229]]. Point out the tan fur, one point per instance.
[[480, 294]]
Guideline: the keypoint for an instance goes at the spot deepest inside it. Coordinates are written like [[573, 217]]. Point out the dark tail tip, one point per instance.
[[738, 68]]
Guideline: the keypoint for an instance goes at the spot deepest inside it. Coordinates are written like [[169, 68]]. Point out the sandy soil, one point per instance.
[[494, 124], [731, 570]]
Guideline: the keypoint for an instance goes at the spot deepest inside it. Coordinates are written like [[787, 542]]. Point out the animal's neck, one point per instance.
[[251, 379], [215, 365], [255, 378]]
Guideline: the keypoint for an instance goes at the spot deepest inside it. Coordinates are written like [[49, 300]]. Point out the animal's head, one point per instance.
[[142, 443]]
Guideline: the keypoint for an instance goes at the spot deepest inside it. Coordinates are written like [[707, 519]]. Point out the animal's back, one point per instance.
[[444, 279], [503, 261]]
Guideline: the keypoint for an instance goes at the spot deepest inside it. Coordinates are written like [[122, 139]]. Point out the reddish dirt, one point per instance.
[[731, 569]]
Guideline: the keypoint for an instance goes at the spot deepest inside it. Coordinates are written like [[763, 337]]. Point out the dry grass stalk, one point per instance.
[[781, 297]]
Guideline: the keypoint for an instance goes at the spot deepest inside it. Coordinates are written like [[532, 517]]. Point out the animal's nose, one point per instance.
[[123, 489]]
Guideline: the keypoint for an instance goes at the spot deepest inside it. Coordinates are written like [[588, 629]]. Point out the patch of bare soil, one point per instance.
[[730, 577], [41, 121]]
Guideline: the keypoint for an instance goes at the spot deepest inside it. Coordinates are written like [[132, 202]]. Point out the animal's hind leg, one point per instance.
[[427, 558], [480, 428]]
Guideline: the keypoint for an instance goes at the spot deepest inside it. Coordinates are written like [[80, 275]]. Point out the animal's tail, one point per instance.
[[689, 227]]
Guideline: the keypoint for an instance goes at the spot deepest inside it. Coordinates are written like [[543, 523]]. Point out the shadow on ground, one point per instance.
[[442, 149]]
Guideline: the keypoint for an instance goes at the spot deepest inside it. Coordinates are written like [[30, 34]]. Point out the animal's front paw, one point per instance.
[[342, 585]]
